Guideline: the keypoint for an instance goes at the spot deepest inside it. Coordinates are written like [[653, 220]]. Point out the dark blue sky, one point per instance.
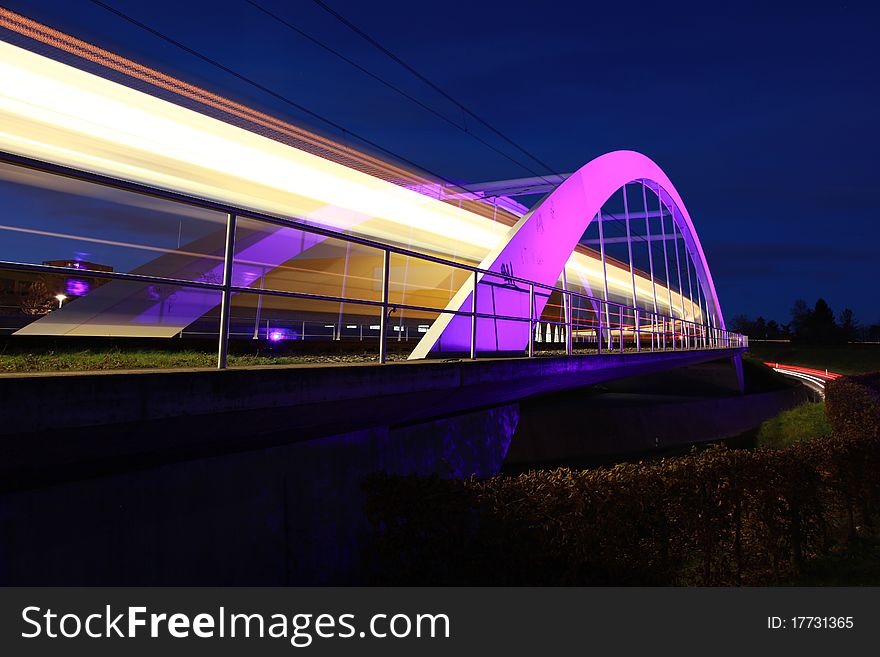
[[765, 117]]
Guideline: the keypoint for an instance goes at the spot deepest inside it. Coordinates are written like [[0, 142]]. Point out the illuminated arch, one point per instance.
[[539, 245]]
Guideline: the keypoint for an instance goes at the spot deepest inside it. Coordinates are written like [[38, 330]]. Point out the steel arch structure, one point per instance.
[[539, 245]]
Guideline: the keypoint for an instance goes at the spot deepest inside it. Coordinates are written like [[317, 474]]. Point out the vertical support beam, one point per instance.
[[342, 291], [637, 329], [737, 362], [260, 306], [650, 261], [226, 300], [474, 317], [687, 264], [383, 319], [665, 254], [531, 320], [704, 307], [629, 246], [604, 275], [702, 316], [650, 249], [566, 308], [678, 270]]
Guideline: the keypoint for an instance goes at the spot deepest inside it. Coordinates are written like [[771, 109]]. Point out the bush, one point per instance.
[[712, 517]]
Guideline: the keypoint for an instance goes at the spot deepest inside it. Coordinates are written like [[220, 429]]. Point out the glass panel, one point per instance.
[[286, 259], [293, 330], [585, 324], [417, 282], [49, 219], [108, 324]]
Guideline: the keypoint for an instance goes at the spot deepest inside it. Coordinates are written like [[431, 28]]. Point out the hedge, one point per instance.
[[716, 516]]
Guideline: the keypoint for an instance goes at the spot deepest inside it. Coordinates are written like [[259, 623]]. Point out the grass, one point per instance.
[[92, 360], [843, 359], [803, 422]]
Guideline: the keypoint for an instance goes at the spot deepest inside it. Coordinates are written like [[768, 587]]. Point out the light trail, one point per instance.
[[60, 114], [812, 378]]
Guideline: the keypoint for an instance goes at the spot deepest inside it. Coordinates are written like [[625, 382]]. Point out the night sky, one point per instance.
[[766, 119]]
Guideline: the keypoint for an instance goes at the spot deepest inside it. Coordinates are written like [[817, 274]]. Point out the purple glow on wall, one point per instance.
[[76, 287]]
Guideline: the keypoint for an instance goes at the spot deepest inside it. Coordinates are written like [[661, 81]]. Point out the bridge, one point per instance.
[[152, 209], [206, 227], [138, 206]]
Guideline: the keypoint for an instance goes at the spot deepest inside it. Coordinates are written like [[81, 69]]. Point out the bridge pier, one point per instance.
[[737, 362]]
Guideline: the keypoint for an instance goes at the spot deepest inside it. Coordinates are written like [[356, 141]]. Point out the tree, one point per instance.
[[817, 326], [800, 315], [754, 328], [775, 331], [741, 324], [759, 329], [37, 300], [849, 327]]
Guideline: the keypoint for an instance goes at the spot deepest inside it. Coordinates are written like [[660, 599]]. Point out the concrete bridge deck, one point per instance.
[[63, 425]]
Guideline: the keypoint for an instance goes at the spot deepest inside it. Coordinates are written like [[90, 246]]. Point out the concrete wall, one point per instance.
[[67, 426]]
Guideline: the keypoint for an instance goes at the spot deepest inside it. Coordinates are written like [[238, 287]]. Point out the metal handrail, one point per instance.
[[710, 336]]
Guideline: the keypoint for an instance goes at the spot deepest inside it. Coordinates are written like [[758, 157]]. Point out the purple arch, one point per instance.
[[539, 245]]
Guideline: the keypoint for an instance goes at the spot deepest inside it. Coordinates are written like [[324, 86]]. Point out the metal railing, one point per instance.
[[610, 326]]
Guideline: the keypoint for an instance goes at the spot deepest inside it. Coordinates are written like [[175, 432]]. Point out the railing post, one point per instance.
[[654, 341], [638, 331], [531, 320], [226, 298], [474, 318], [568, 324], [620, 324], [383, 320], [599, 337]]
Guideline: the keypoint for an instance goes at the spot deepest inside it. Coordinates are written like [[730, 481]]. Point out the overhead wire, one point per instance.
[[389, 85], [375, 43], [271, 92]]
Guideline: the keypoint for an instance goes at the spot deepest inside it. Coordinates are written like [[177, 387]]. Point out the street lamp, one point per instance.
[[61, 298]]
